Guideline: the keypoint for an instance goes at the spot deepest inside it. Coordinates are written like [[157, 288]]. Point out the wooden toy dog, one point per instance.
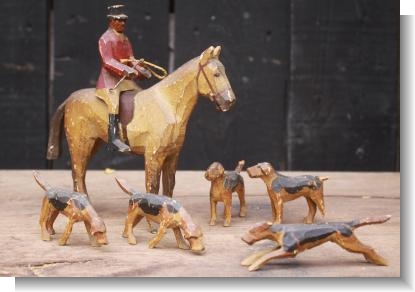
[[292, 239], [283, 188], [75, 206], [163, 210], [223, 184]]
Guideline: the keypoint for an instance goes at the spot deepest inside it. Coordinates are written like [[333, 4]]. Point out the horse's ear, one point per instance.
[[216, 52], [265, 168], [206, 55]]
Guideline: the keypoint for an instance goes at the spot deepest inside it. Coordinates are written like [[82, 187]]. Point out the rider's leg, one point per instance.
[[111, 98]]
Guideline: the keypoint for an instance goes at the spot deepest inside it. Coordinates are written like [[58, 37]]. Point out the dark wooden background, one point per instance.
[[317, 82]]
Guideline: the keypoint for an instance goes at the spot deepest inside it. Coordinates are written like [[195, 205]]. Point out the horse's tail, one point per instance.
[[240, 165], [54, 142]]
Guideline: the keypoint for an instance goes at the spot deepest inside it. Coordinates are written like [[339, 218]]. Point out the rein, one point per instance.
[[213, 96]]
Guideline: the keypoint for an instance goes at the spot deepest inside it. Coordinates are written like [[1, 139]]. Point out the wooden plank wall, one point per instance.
[[23, 84], [316, 81]]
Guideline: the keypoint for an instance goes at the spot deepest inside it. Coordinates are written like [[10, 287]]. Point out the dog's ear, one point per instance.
[[221, 169]]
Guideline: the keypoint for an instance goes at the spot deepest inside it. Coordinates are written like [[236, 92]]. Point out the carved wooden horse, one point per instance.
[[157, 126]]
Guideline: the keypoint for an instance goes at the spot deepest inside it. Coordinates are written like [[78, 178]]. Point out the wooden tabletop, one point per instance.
[[347, 196]]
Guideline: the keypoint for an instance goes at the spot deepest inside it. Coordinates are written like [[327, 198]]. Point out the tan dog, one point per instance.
[[291, 239], [282, 188], [76, 207], [223, 184], [163, 210]]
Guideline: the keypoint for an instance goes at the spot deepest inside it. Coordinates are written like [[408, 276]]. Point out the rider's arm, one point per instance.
[[110, 63]]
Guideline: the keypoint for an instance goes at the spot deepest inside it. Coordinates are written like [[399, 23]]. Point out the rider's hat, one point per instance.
[[116, 12]]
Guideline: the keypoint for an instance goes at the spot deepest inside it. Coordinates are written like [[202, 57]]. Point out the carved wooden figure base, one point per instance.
[[291, 239], [169, 213], [76, 207], [282, 188], [223, 184]]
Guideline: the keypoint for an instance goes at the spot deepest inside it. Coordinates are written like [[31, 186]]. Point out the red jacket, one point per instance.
[[113, 47]]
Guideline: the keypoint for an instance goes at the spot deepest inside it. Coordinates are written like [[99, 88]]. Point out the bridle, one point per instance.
[[213, 96]]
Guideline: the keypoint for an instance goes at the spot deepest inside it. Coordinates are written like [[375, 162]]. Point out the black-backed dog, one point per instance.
[[75, 206], [163, 210], [223, 184], [283, 188], [291, 239]]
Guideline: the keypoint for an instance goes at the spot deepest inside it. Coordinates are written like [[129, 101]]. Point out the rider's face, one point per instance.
[[118, 24]]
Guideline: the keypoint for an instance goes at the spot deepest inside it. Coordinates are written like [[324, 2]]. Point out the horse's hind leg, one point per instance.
[[81, 150]]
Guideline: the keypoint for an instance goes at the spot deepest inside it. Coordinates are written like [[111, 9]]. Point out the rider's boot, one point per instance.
[[114, 142]]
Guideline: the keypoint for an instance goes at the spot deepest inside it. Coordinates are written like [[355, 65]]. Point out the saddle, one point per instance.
[[126, 106]]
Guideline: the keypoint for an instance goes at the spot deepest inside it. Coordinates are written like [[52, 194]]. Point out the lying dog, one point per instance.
[[76, 207], [223, 184], [292, 239], [165, 211], [282, 188]]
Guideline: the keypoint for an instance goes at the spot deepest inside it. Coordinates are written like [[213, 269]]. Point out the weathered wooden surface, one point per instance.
[[348, 196]]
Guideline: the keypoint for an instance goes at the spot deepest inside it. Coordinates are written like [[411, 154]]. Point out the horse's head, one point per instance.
[[212, 80]]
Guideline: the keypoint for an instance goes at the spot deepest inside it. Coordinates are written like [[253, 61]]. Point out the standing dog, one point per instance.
[[165, 211], [223, 184], [76, 207], [291, 239], [282, 188]]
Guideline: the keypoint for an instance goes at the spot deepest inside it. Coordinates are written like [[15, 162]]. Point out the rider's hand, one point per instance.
[[143, 71], [130, 73]]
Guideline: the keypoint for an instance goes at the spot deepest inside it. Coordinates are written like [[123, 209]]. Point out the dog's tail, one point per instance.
[[124, 185], [370, 220], [240, 165], [43, 184]]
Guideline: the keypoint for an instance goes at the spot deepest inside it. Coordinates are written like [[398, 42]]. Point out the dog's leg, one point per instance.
[[67, 232], [181, 243], [160, 233], [277, 203], [241, 195], [352, 244], [277, 254], [213, 216], [44, 214], [227, 212], [255, 256], [92, 240], [51, 220], [312, 208], [132, 219]]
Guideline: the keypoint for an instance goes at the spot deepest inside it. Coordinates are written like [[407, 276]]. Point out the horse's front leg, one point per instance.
[[153, 165], [169, 174]]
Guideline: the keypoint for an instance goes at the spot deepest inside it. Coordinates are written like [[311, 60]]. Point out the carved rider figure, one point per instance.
[[119, 68]]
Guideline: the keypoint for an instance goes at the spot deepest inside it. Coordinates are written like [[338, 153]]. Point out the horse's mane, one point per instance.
[[189, 65]]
